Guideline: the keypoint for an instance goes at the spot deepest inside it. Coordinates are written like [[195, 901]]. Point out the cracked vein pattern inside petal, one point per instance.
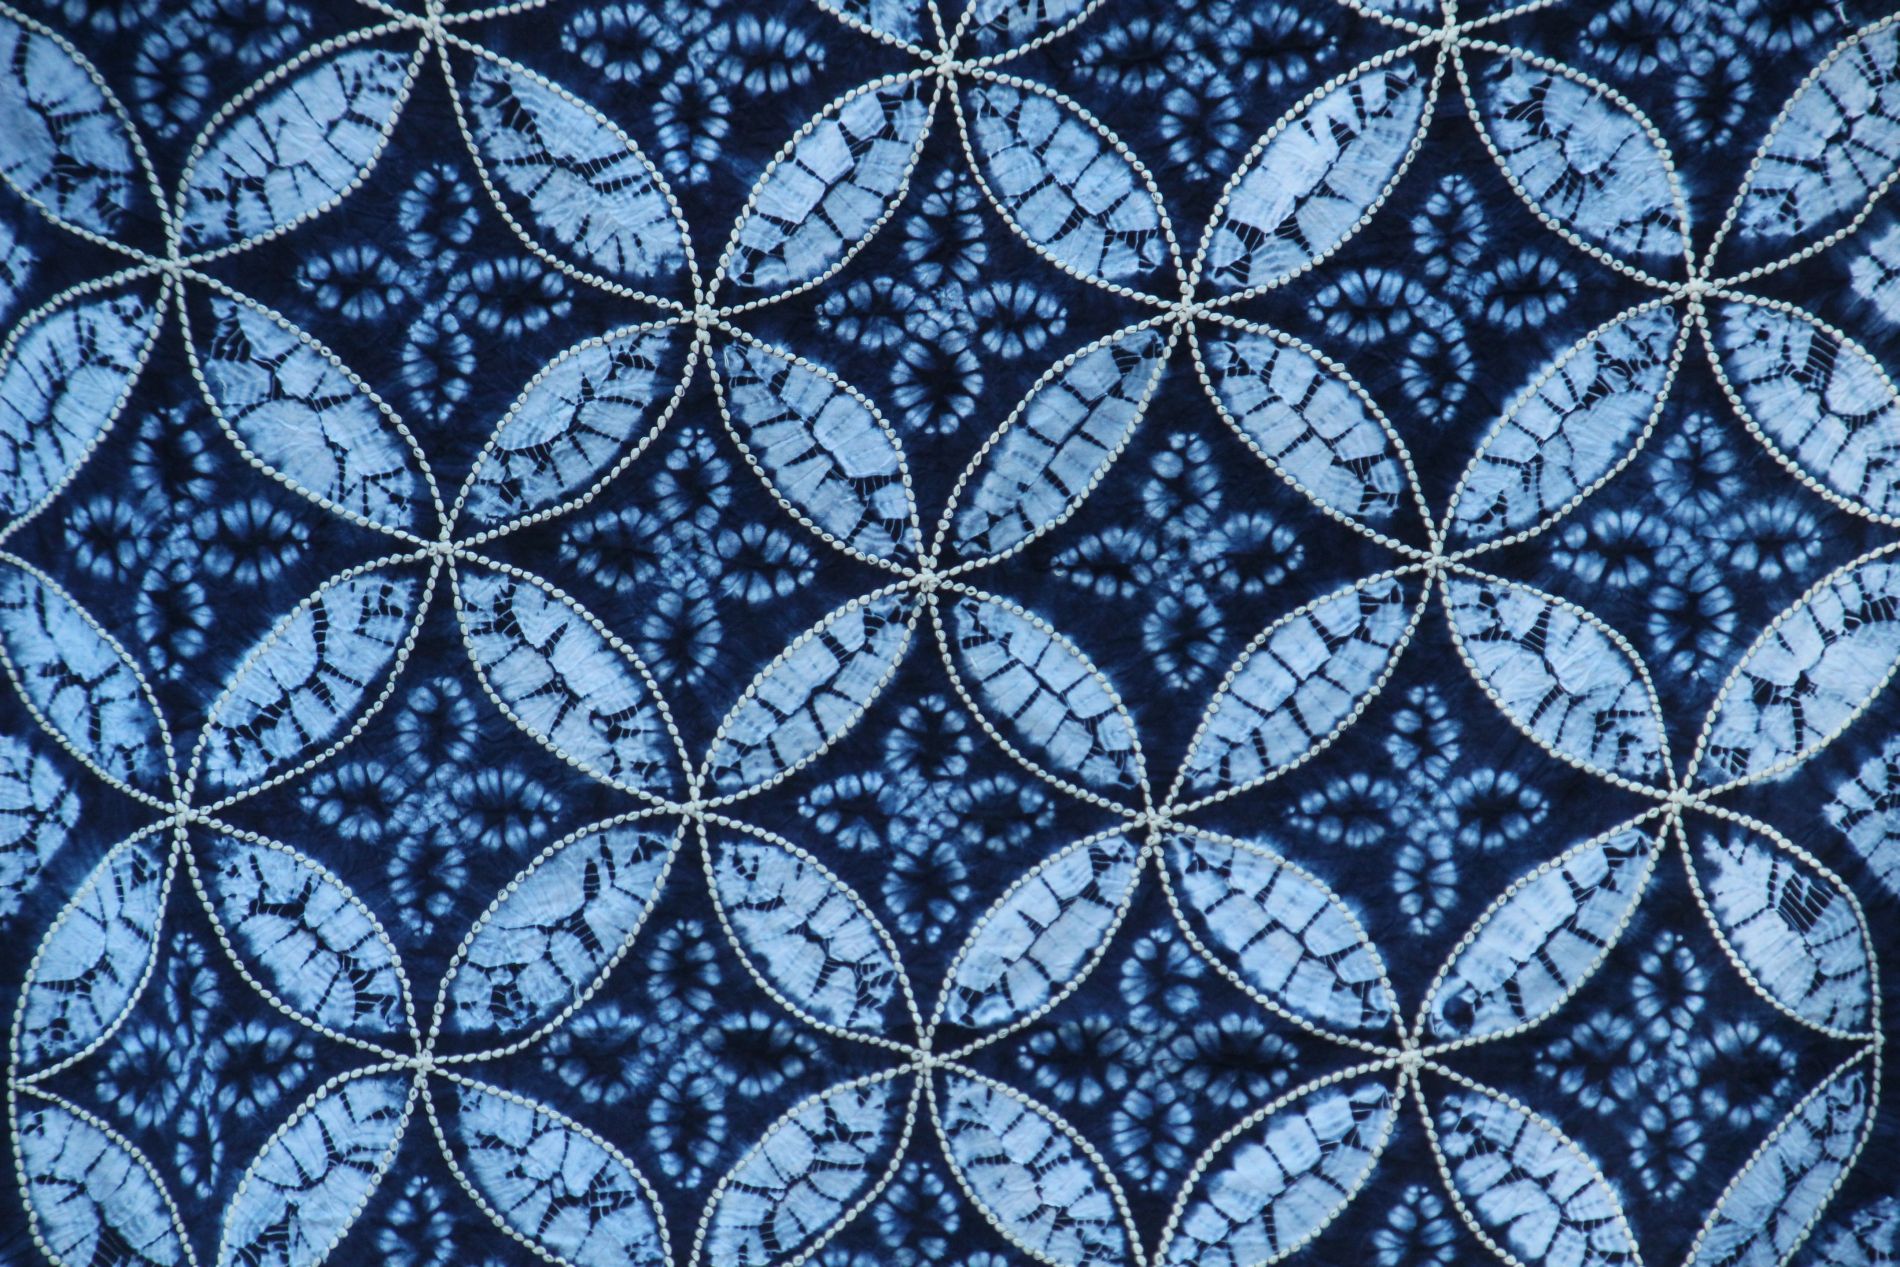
[[67, 149], [296, 148], [1063, 184], [1314, 180]]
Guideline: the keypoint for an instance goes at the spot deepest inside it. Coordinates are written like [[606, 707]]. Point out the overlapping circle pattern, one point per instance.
[[426, 1063]]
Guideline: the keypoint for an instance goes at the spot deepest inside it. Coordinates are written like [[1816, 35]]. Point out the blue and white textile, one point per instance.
[[949, 633]]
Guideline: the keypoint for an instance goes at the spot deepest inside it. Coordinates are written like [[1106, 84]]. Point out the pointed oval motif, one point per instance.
[[306, 679], [62, 389], [1315, 177], [1578, 421], [1582, 155], [309, 1183], [79, 680], [316, 946], [94, 1197], [790, 1192], [295, 149], [823, 448], [1527, 1186], [1284, 1175], [293, 405], [996, 25], [1299, 683], [1058, 705], [816, 690], [1796, 929], [88, 971], [551, 667], [1295, 944], [1061, 181], [1538, 944], [557, 928], [1560, 674], [39, 808], [1834, 148], [583, 180], [807, 933], [1031, 1175], [1307, 420], [1817, 398], [556, 1184], [1810, 674], [1054, 447], [1768, 1208], [68, 151], [828, 191], [576, 419], [1043, 935]]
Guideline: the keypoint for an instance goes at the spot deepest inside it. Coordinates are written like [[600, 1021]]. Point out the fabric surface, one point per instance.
[[886, 634]]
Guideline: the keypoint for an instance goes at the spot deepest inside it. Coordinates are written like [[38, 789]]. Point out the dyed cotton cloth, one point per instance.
[[889, 634]]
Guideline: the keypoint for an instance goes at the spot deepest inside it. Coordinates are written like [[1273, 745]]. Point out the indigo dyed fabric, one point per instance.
[[1157, 633]]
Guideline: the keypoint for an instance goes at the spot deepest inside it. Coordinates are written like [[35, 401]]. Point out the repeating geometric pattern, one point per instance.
[[1089, 632]]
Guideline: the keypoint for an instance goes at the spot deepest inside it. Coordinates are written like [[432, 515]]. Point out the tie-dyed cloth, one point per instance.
[[884, 633]]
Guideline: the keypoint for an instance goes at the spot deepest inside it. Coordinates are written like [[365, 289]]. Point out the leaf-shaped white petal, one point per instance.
[[995, 25], [1311, 422], [900, 19], [94, 1198], [1063, 184], [81, 681], [1046, 692], [1810, 673], [1818, 398], [554, 671], [823, 448], [307, 678], [1298, 684], [296, 149], [1057, 443], [557, 1184], [64, 385], [584, 180], [815, 691], [796, 1184], [1795, 929], [311, 940], [1542, 939], [828, 191], [1530, 1189], [307, 1186], [87, 972], [1042, 934], [1320, 172], [577, 416], [1278, 1186], [294, 405], [1030, 1174], [39, 807], [806, 933], [67, 149], [1771, 1205], [560, 925], [1583, 158], [1580, 416], [1834, 148], [1290, 936], [1560, 675]]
